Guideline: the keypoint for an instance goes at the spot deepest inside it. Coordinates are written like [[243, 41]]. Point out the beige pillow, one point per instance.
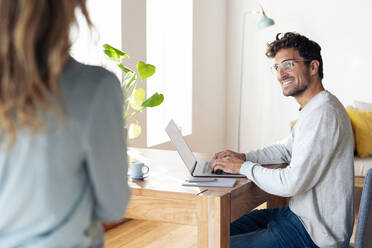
[[366, 106]]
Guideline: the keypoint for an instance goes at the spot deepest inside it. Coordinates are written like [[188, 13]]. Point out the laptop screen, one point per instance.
[[182, 147]]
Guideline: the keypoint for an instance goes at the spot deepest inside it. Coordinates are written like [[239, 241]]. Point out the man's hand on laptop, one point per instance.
[[228, 153], [228, 161]]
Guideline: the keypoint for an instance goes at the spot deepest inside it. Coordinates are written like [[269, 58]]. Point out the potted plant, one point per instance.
[[134, 96]]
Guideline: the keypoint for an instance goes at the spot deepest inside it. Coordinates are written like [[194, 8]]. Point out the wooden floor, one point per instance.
[[150, 234]]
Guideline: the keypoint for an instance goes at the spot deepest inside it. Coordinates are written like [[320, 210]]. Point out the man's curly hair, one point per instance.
[[308, 49]]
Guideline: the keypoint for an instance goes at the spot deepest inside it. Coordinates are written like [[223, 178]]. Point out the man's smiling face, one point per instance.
[[293, 74]]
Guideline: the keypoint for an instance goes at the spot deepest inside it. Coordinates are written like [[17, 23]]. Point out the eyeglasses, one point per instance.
[[286, 65]]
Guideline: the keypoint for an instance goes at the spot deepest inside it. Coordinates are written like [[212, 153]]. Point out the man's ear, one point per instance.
[[314, 67]]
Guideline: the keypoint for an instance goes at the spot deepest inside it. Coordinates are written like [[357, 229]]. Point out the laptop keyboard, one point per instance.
[[207, 169]]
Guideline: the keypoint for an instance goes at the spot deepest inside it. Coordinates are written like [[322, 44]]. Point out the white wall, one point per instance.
[[134, 43], [209, 69], [341, 28], [209, 76], [87, 42]]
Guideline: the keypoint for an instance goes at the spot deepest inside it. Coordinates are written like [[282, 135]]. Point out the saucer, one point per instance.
[[138, 178]]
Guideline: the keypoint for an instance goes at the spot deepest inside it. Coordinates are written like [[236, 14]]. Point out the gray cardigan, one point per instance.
[[320, 174]]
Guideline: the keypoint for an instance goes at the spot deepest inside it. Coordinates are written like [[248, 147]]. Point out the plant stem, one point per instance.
[[126, 111], [128, 107], [134, 113]]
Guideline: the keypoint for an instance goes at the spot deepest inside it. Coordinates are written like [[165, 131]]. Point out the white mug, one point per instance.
[[138, 170]]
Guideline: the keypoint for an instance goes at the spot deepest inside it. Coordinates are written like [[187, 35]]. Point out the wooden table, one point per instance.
[[160, 197]]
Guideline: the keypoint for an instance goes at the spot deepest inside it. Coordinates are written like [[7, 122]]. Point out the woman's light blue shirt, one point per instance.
[[58, 185]]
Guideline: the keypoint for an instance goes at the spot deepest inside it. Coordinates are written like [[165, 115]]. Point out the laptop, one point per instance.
[[197, 168]]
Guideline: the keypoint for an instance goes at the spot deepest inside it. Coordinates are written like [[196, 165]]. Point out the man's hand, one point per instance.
[[228, 153], [227, 164], [228, 161]]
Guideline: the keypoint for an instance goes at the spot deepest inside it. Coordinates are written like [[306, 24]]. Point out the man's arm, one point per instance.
[[313, 147], [275, 154], [232, 161]]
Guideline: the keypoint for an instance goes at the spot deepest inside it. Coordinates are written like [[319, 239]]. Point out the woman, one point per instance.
[[63, 161]]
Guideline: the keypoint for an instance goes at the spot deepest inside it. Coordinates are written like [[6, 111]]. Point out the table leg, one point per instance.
[[214, 221], [277, 202]]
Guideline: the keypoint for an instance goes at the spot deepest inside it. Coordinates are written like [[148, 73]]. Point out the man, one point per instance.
[[320, 175]]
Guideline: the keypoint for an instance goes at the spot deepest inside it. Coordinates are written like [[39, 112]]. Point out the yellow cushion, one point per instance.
[[362, 126], [292, 124]]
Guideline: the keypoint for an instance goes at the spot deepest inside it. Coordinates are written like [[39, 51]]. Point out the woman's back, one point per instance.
[[63, 163], [57, 184]]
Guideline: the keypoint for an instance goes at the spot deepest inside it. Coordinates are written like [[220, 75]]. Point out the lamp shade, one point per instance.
[[265, 22]]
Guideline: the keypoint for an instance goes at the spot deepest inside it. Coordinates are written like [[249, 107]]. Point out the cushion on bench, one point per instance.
[[362, 165]]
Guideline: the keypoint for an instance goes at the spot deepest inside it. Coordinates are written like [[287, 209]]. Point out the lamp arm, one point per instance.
[[241, 74], [262, 12], [253, 12]]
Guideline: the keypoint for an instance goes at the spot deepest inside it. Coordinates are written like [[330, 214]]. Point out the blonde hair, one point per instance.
[[34, 47]]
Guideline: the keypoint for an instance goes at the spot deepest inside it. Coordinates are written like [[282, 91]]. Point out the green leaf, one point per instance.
[[124, 69], [114, 53], [145, 70], [136, 99], [155, 100], [113, 60], [129, 79]]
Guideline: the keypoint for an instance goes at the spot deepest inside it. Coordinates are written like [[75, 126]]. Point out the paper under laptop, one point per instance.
[[197, 168]]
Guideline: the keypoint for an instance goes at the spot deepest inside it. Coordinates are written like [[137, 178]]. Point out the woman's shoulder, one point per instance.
[[77, 72], [82, 85], [86, 80]]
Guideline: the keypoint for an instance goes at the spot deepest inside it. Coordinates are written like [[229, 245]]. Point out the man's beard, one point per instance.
[[295, 90]]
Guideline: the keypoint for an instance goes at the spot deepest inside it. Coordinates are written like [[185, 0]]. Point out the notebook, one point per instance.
[[219, 182]]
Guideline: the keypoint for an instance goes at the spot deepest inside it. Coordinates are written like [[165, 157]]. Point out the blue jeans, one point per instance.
[[271, 228]]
